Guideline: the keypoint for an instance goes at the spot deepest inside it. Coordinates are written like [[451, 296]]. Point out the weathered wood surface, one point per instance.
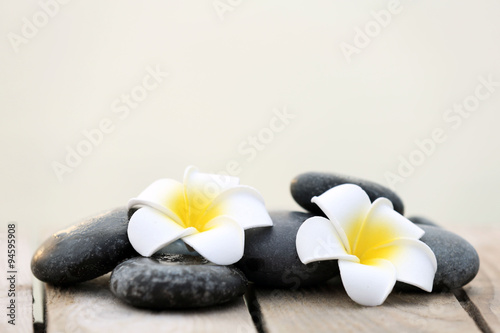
[[327, 308], [484, 290], [23, 300], [91, 307]]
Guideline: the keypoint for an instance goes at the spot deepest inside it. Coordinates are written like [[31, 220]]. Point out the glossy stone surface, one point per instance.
[[307, 185], [271, 258], [458, 261], [85, 250], [175, 281]]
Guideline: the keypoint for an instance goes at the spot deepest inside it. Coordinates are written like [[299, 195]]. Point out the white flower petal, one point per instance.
[[150, 230], [202, 188], [222, 243], [370, 284], [194, 177], [383, 225], [414, 261], [165, 195], [346, 206], [317, 239], [244, 204]]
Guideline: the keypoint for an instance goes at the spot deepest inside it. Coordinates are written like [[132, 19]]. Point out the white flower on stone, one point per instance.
[[375, 246], [208, 212]]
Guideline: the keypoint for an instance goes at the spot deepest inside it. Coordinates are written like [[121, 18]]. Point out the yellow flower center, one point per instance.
[[192, 209], [369, 244]]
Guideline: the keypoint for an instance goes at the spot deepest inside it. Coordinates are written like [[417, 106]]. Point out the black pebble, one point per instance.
[[175, 281], [271, 258], [458, 261], [84, 251], [307, 185]]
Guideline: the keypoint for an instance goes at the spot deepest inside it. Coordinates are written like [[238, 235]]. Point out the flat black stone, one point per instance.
[[458, 261], [84, 251], [307, 185], [271, 258], [175, 281]]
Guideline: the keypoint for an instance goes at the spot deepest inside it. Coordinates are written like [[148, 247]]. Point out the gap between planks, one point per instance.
[[484, 291], [23, 299], [475, 308], [91, 306], [327, 308], [472, 310]]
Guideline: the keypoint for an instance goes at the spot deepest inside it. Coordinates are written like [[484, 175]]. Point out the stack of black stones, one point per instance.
[[180, 279]]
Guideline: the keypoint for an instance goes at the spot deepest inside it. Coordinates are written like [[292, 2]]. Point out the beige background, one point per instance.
[[227, 73]]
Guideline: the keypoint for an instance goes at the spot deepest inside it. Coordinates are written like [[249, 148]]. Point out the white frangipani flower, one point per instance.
[[375, 245], [208, 212]]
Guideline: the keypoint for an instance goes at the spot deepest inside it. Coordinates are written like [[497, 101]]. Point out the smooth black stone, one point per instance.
[[423, 220], [458, 261], [178, 247], [307, 185], [175, 281], [84, 251], [271, 258]]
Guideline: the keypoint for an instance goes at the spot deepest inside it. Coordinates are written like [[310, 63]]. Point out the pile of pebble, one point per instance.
[[178, 278]]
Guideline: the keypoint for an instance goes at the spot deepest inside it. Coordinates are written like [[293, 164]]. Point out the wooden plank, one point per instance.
[[327, 308], [23, 296], [484, 290], [91, 307]]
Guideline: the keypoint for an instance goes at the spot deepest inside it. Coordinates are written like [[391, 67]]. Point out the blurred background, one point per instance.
[[99, 99]]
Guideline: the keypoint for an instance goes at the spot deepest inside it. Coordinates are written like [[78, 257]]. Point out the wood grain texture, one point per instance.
[[327, 308], [24, 303], [484, 290], [91, 307]]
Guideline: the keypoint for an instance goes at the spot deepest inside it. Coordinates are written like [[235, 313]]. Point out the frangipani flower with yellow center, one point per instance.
[[375, 246], [208, 212]]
